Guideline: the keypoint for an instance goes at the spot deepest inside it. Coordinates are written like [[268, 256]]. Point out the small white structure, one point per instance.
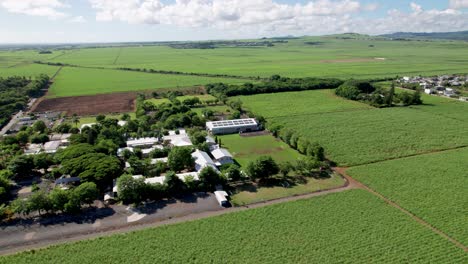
[[65, 181], [222, 156], [221, 196], [142, 142], [52, 146], [122, 123], [33, 149], [202, 160], [429, 91], [154, 161], [463, 99], [146, 152], [210, 141], [232, 126], [449, 92], [87, 125], [178, 140]]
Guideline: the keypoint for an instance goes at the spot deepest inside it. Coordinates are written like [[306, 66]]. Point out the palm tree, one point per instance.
[[75, 119]]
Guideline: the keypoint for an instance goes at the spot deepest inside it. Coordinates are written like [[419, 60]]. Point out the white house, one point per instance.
[[222, 156], [202, 160], [52, 146]]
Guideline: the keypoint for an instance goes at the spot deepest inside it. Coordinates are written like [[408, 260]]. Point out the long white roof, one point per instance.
[[231, 123], [221, 153]]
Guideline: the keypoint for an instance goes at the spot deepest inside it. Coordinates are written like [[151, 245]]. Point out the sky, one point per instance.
[[83, 21]]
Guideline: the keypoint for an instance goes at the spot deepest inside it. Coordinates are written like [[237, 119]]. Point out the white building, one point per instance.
[[178, 140], [142, 142], [202, 160], [222, 156], [154, 161], [232, 126], [33, 149], [52, 146]]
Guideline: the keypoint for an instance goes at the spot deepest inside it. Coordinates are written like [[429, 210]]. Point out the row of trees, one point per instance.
[[274, 85], [56, 201]]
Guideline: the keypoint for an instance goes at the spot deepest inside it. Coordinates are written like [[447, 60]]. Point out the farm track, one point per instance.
[[117, 57], [39, 100], [359, 185]]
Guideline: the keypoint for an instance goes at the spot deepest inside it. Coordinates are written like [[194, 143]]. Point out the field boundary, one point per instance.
[[343, 170]]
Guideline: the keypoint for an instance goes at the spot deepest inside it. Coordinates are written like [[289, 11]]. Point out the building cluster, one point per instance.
[[22, 120], [56, 142], [443, 85]]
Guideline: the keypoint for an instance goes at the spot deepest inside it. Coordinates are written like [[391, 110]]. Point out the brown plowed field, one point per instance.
[[89, 105]]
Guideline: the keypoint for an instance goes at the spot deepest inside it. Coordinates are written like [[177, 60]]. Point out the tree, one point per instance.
[[75, 119], [43, 161], [125, 117], [21, 165], [416, 100], [107, 146], [307, 166], [262, 168], [74, 151], [197, 137], [388, 100], [180, 158], [22, 137], [285, 168], [5, 185], [39, 201], [94, 167], [39, 139], [58, 199], [39, 126], [209, 178], [86, 193], [233, 173], [174, 185], [100, 118]]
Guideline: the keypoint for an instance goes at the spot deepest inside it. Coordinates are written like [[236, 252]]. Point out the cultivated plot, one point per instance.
[[81, 81], [433, 187], [299, 103], [365, 228], [360, 137]]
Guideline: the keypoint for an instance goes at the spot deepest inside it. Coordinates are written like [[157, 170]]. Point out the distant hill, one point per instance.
[[460, 35]]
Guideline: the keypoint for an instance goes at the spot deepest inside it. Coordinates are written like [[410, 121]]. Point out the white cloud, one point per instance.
[[77, 19], [44, 8], [269, 17], [458, 4]]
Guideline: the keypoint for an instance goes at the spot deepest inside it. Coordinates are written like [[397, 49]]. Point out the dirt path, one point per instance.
[[360, 185]]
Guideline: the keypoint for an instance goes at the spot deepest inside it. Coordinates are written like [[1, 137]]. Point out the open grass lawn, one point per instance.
[[220, 109], [360, 137], [349, 227], [246, 149], [298, 103], [330, 58], [81, 81], [249, 193], [433, 187]]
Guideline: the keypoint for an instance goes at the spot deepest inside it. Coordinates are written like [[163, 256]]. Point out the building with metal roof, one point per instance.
[[232, 126]]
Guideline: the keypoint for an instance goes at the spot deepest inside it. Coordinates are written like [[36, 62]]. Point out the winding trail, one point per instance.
[[360, 185]]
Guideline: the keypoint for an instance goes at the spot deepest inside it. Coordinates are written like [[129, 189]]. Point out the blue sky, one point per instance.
[[58, 21]]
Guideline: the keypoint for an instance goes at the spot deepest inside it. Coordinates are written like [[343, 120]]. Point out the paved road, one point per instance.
[[27, 234], [10, 124]]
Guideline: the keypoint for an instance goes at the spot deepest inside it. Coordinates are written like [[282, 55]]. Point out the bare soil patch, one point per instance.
[[255, 134], [89, 105]]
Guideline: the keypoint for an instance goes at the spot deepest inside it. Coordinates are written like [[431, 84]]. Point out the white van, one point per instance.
[[221, 197]]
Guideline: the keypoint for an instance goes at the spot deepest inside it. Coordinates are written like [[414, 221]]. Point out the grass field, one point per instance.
[[246, 149], [81, 81], [330, 58], [92, 119], [248, 193], [298, 103], [431, 186], [349, 227]]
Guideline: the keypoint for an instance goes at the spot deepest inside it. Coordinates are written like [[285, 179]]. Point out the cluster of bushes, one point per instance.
[[274, 85], [366, 92], [15, 93]]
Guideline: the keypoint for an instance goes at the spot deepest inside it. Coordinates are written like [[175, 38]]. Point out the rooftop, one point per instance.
[[221, 153], [231, 123]]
